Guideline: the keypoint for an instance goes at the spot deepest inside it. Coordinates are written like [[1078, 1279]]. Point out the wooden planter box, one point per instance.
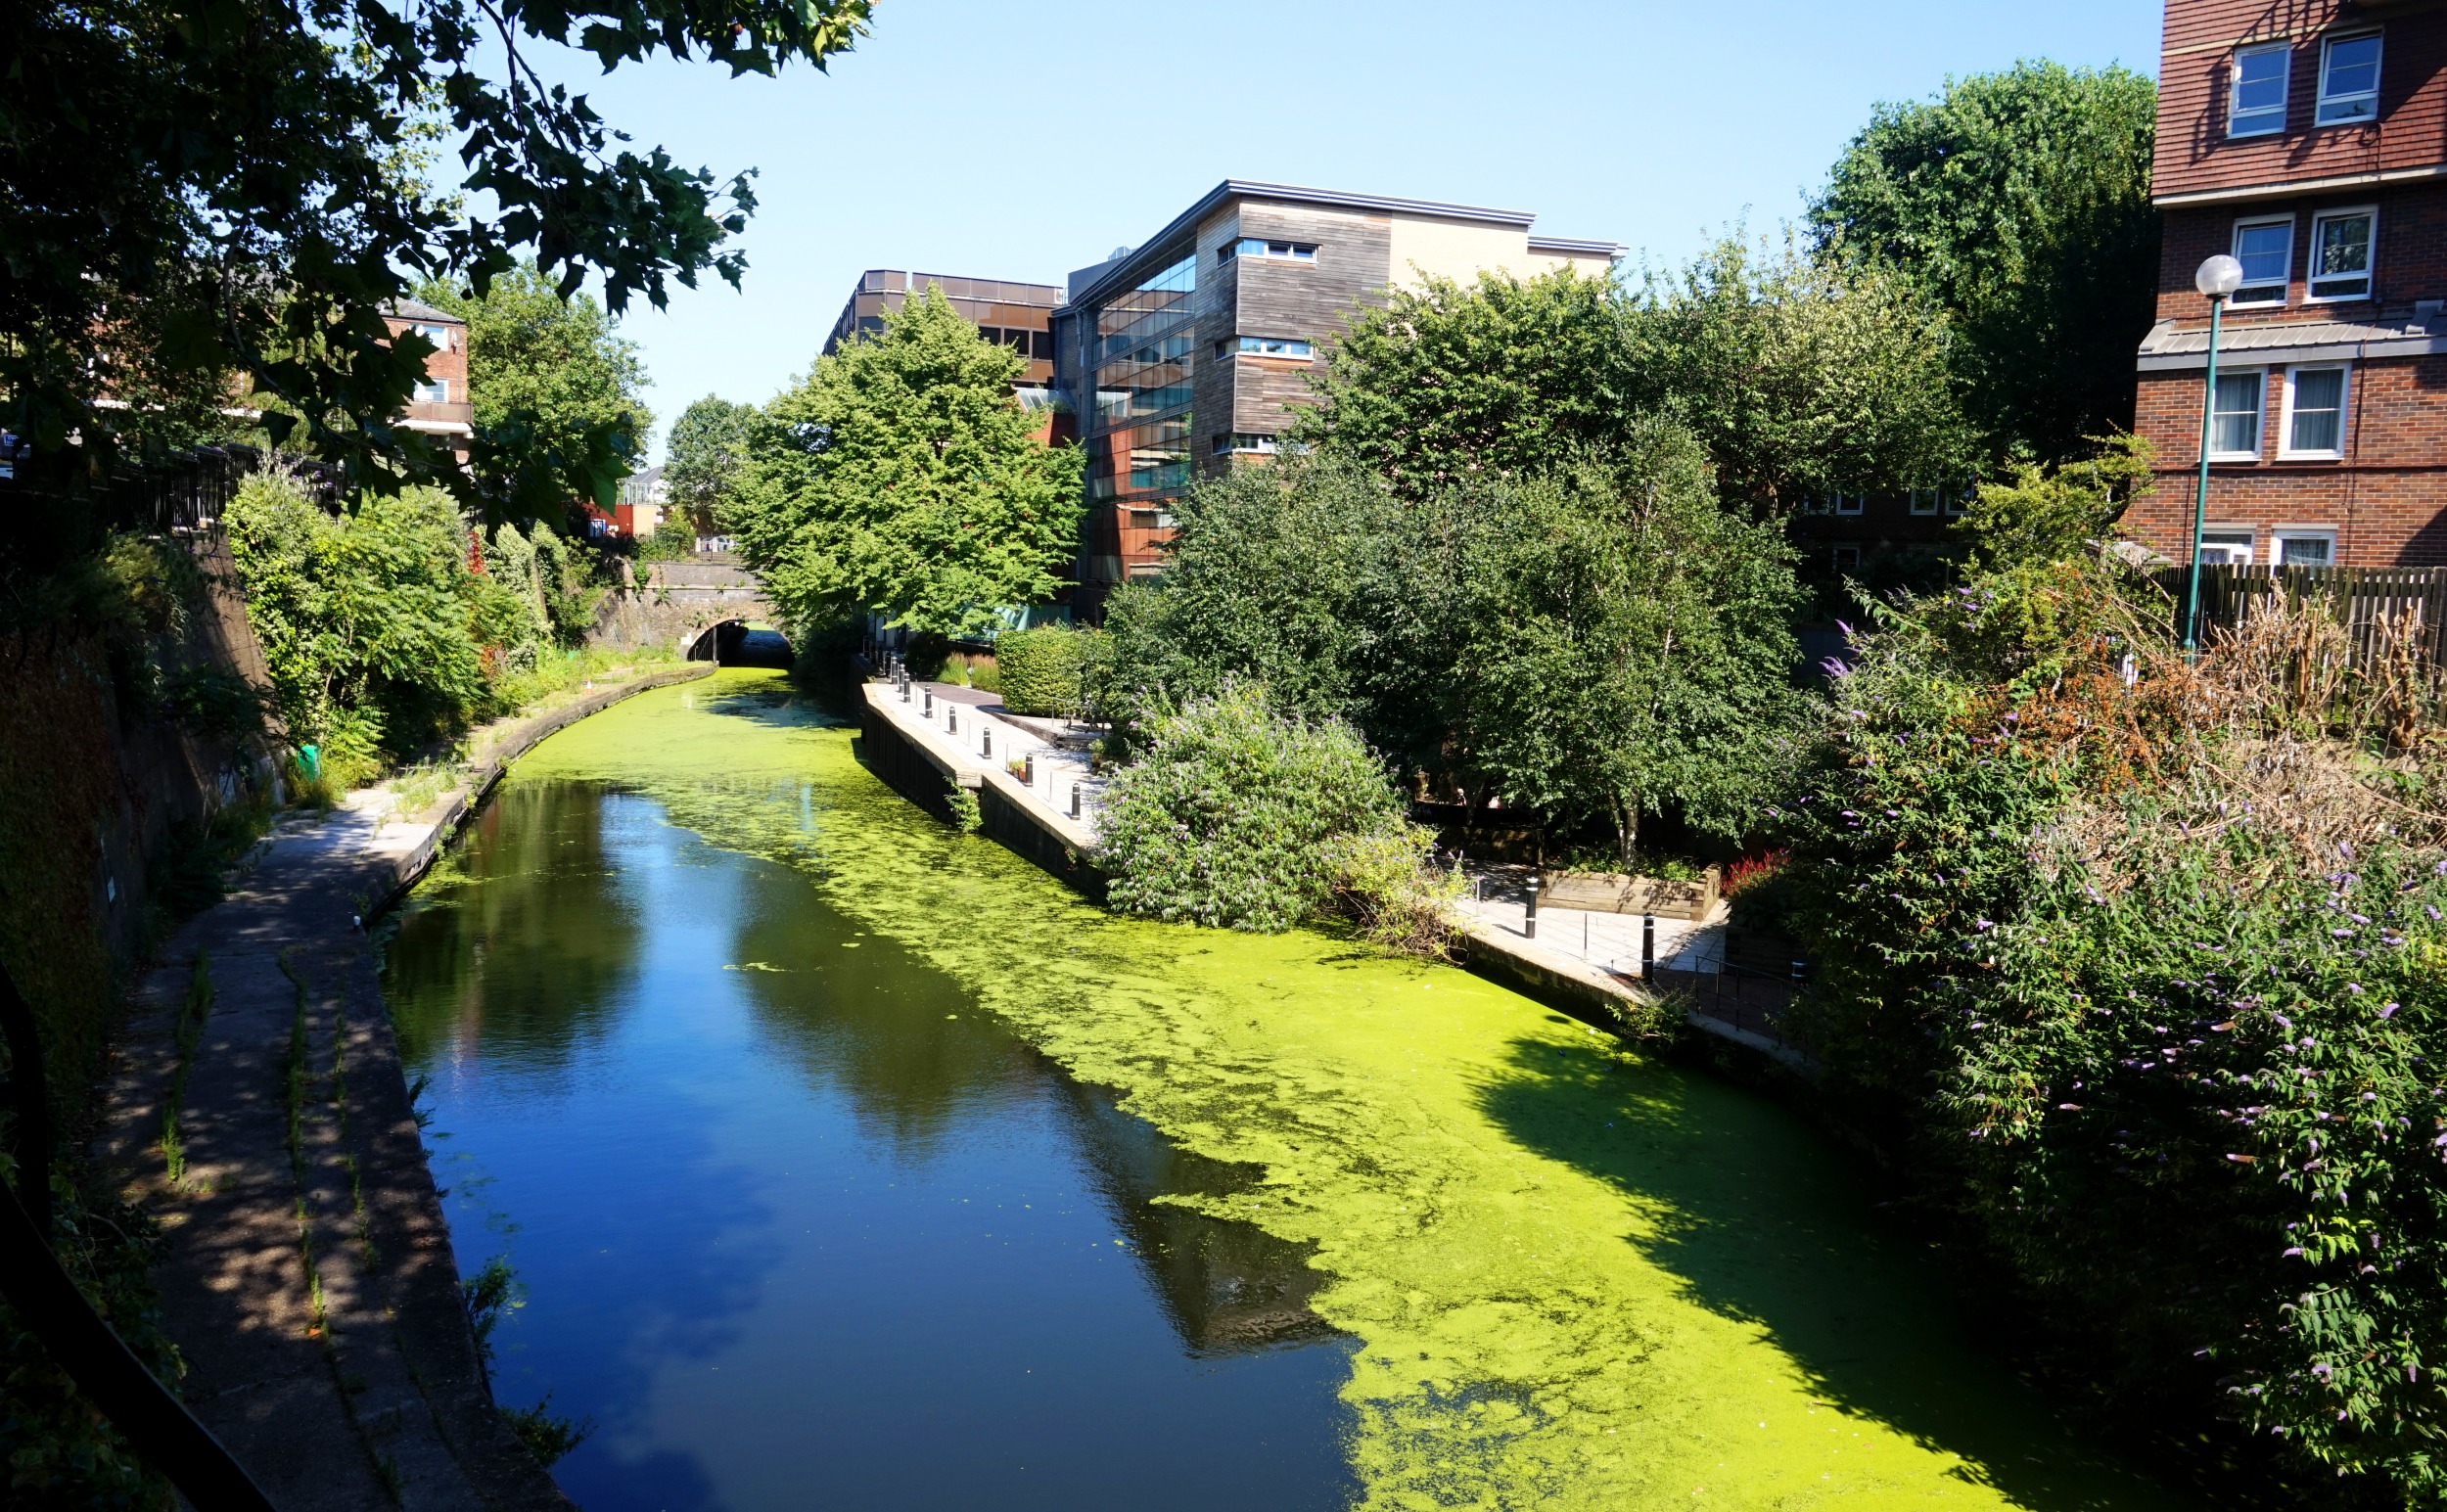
[[1615, 893]]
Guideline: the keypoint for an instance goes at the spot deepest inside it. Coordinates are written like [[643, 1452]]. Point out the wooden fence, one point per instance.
[[2357, 597]]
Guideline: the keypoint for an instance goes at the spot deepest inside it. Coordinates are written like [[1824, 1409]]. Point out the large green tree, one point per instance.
[[902, 477], [193, 193], [2021, 201], [1798, 374], [556, 387], [703, 460]]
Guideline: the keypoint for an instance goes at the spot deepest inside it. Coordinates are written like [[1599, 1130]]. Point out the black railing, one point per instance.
[[184, 491]]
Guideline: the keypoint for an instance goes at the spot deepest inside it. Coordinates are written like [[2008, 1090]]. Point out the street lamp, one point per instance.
[[2218, 277]]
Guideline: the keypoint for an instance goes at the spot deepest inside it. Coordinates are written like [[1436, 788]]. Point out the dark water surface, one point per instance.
[[798, 1227]]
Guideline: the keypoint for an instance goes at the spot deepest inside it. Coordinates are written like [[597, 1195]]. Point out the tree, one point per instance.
[[702, 461], [551, 380], [1628, 649], [1800, 374], [189, 193], [902, 477], [1444, 384], [2021, 201]]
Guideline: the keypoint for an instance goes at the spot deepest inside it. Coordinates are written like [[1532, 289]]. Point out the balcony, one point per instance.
[[455, 419]]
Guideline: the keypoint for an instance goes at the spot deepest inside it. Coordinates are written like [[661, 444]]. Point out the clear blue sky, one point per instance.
[[1005, 139]]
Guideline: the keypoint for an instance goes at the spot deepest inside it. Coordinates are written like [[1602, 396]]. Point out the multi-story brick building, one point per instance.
[[443, 405], [1186, 354], [2307, 139]]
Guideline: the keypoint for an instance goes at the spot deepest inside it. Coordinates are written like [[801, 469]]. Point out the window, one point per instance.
[[1927, 501], [1259, 247], [1227, 442], [2235, 416], [2349, 79], [1275, 346], [2266, 249], [1958, 499], [2229, 547], [2340, 254], [1847, 558], [2305, 548], [439, 336], [2256, 103], [2315, 413], [433, 390], [1849, 503]]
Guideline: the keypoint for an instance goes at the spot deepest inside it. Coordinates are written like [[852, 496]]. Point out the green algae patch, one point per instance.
[[1577, 1278]]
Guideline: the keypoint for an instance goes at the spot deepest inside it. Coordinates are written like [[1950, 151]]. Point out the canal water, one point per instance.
[[847, 1161]]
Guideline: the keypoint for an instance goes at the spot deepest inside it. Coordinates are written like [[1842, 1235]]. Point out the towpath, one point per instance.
[[259, 1106]]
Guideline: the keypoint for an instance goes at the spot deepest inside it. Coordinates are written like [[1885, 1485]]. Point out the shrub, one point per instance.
[[1042, 670], [674, 540], [1232, 816]]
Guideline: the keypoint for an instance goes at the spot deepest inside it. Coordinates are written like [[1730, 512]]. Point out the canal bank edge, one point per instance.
[[309, 1281], [892, 747]]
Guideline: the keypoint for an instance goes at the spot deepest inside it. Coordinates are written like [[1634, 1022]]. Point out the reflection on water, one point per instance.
[[831, 1158], [800, 1227]]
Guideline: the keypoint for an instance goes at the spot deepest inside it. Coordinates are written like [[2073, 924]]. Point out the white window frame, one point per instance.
[[2235, 84], [2286, 448], [1247, 443], [2260, 422], [1849, 503], [1928, 501], [2281, 534], [2319, 112], [2284, 282], [433, 390], [439, 336], [1252, 346], [2250, 543], [2311, 253], [1957, 500]]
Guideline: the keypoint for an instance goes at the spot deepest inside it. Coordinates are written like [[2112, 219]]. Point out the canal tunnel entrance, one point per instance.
[[741, 643]]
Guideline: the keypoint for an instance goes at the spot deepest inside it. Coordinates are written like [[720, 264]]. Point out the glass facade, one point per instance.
[[1144, 345]]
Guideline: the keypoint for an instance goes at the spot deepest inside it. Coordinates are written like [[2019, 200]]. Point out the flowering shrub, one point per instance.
[[1751, 870], [2146, 968]]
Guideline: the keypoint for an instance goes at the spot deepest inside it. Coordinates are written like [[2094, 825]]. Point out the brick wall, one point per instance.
[[2408, 255], [2194, 153], [2385, 501]]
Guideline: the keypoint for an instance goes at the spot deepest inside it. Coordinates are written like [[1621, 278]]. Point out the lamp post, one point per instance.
[[2218, 277]]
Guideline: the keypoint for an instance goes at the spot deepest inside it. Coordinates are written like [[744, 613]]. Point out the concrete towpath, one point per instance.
[[309, 1282]]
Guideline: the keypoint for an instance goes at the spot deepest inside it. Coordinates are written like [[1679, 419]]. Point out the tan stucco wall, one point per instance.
[[1459, 249]]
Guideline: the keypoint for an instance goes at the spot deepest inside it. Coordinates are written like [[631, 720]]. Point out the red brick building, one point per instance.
[[442, 405], [2308, 140]]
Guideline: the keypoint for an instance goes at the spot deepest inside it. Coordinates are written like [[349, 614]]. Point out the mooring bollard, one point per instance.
[[1647, 948], [1529, 920], [1028, 770], [985, 741], [1075, 800], [930, 702], [952, 719]]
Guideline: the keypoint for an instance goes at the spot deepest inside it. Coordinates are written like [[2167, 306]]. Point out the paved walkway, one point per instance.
[[309, 1282], [1609, 942], [968, 727]]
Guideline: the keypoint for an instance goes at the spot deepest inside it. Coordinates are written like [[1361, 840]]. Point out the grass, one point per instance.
[[191, 1015]]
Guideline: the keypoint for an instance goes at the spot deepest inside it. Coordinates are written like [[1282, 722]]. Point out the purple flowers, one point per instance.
[[2387, 1010]]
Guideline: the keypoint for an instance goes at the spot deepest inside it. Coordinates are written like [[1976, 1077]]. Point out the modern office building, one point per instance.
[[2309, 141], [1186, 354], [1017, 315]]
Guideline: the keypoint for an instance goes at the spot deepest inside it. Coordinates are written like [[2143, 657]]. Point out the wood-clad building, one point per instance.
[[1014, 315], [1185, 355], [2308, 140]]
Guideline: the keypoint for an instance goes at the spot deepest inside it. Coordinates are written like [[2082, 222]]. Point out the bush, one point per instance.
[[674, 540], [1041, 668], [1238, 816]]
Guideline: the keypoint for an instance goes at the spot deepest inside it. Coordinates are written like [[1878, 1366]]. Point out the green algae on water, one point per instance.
[[1577, 1278]]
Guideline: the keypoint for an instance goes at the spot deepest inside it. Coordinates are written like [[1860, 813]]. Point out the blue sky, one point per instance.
[[1005, 139]]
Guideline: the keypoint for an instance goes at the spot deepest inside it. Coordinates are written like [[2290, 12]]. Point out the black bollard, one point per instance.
[[985, 743], [952, 719], [1529, 920], [930, 702], [1647, 948], [1028, 770], [1075, 800]]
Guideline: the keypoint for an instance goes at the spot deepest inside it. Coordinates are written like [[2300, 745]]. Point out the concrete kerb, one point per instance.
[[313, 1290]]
